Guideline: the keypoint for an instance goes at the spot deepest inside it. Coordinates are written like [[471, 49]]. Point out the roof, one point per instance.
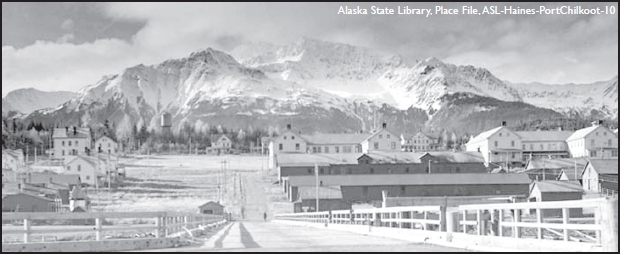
[[28, 194], [558, 186], [605, 166], [582, 133], [572, 175], [210, 203], [340, 138], [92, 160], [77, 193], [69, 179], [544, 135], [64, 133], [557, 163], [484, 135], [104, 136], [325, 192], [410, 179], [498, 170], [378, 157], [377, 132], [14, 153]]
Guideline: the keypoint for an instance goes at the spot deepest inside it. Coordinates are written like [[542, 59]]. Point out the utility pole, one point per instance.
[[316, 173]]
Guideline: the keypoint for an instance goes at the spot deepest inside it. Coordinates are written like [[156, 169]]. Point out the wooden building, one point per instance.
[[211, 208], [601, 176]]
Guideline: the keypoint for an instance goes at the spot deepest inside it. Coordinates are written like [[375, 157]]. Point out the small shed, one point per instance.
[[543, 191], [211, 207]]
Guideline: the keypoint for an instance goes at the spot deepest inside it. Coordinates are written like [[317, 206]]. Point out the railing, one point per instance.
[[162, 224], [546, 220], [591, 222], [414, 217]]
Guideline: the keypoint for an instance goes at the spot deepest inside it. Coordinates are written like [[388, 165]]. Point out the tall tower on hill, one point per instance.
[[166, 122]]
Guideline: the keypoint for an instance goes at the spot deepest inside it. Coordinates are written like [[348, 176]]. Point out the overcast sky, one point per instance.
[[66, 46]]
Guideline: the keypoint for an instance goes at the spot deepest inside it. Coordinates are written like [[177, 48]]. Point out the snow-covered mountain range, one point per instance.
[[29, 99], [316, 85]]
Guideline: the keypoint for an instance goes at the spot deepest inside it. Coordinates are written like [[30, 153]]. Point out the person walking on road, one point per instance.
[[265, 216]]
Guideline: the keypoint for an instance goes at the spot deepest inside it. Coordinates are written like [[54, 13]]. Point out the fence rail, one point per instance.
[[589, 221], [164, 223]]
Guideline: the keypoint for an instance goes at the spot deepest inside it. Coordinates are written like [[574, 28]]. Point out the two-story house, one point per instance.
[[596, 141], [106, 145], [381, 140], [71, 141], [499, 146]]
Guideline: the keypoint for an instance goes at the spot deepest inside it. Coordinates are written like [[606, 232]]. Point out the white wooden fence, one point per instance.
[[589, 221], [162, 224]]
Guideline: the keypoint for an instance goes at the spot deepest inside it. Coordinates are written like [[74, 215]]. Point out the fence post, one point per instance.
[[27, 230], [479, 223], [609, 221], [516, 218], [442, 218], [465, 220], [98, 229], [539, 220], [565, 218], [499, 223], [158, 231]]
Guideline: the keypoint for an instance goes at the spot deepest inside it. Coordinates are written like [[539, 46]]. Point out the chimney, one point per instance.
[[74, 130], [288, 126], [503, 123], [384, 125]]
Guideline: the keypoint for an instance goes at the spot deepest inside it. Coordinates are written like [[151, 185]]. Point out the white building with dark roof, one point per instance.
[[381, 140], [596, 141], [71, 141]]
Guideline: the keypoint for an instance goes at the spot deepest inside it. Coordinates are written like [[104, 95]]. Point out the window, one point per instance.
[[513, 155], [293, 137], [318, 149], [614, 153], [63, 152], [495, 143], [280, 146], [297, 146], [592, 153], [108, 144], [321, 171], [531, 146], [523, 146], [327, 149], [346, 149], [592, 142], [63, 143], [393, 145], [87, 177], [337, 148], [512, 143], [380, 135], [372, 170], [76, 143], [358, 148], [69, 142], [376, 145], [407, 170], [313, 149], [604, 133], [609, 142], [542, 147], [387, 135], [79, 168], [68, 168], [500, 134]]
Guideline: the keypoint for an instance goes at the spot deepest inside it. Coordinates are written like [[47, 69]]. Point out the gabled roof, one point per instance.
[[484, 135], [104, 136], [556, 163], [13, 153], [210, 203], [544, 135], [378, 157], [499, 170], [325, 192], [91, 160], [69, 179], [582, 133], [29, 195], [64, 133], [377, 132], [335, 139], [557, 186], [571, 174], [411, 179], [77, 193], [605, 166]]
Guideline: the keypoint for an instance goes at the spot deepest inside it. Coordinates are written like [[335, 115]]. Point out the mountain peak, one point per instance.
[[212, 56]]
